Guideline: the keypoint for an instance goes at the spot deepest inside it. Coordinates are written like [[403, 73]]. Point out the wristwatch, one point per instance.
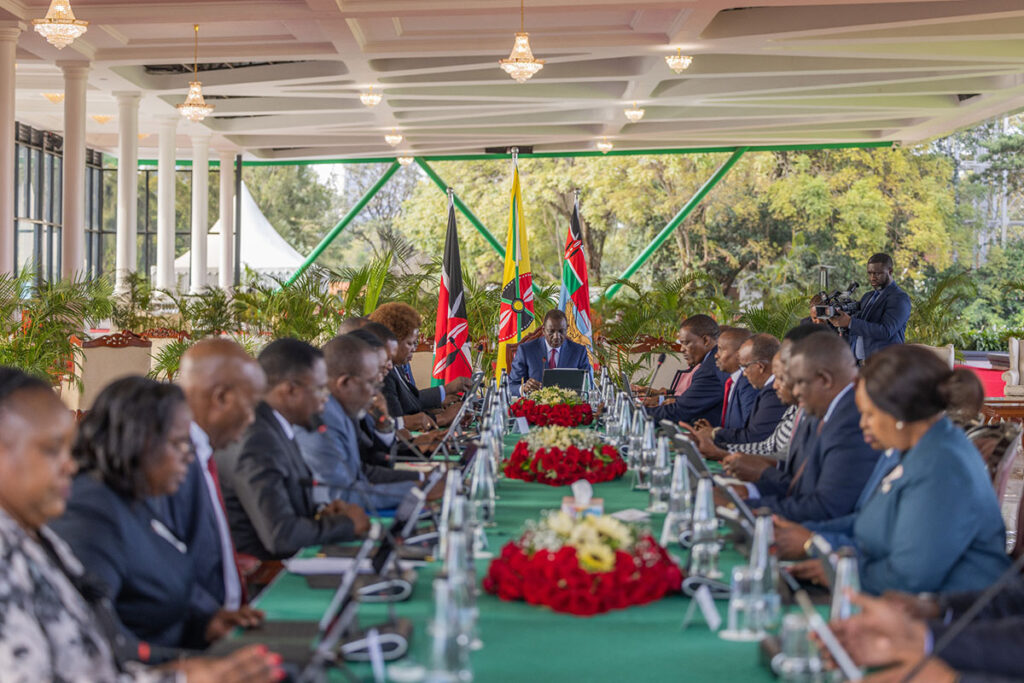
[[809, 546]]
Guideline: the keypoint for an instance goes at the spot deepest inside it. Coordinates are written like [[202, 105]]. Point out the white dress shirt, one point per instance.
[[232, 585], [547, 353]]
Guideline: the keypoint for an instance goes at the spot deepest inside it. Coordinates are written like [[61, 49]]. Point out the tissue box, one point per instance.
[[595, 507]]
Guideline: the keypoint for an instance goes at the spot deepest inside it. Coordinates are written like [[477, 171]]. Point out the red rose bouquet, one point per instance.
[[583, 567], [558, 456], [553, 406]]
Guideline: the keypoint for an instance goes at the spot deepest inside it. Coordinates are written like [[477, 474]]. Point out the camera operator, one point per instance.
[[881, 320]]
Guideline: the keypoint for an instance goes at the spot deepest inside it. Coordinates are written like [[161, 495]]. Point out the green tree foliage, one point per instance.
[[300, 207]]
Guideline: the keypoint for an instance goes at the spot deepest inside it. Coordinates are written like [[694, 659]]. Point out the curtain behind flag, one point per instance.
[[516, 318], [574, 300], [451, 338]]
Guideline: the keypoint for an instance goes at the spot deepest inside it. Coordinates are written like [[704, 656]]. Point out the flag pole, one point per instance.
[[519, 320]]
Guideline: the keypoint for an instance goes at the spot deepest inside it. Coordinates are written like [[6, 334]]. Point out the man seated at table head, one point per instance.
[[552, 350], [222, 385], [698, 339], [267, 487], [755, 362], [332, 451], [837, 461]]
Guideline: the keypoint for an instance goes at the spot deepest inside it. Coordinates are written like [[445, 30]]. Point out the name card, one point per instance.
[[703, 599], [522, 426]]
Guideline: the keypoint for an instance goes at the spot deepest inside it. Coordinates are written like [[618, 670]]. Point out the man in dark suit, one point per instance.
[[552, 350], [698, 337], [266, 484], [755, 361], [222, 385], [738, 395], [882, 318], [837, 462]]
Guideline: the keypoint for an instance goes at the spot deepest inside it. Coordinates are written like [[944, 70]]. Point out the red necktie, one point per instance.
[[551, 360], [212, 467], [725, 399]]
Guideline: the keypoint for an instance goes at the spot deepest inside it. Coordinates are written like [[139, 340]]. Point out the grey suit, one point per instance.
[[267, 491]]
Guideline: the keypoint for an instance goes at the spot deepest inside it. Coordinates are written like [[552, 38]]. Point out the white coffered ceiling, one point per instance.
[[783, 72]]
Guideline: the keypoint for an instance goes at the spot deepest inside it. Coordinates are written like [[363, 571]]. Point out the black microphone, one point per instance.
[[661, 361]]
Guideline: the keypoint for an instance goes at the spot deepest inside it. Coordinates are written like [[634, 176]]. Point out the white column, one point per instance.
[[9, 32], [165, 216], [226, 274], [127, 186], [73, 247], [200, 209]]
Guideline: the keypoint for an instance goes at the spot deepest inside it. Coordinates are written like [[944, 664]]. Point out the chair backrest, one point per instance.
[[947, 354], [1009, 483], [510, 349], [104, 360], [1012, 376]]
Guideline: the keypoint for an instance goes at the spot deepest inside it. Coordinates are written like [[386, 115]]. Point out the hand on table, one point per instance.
[[933, 671], [456, 386], [881, 634], [447, 416], [811, 571], [224, 620], [790, 538], [914, 606], [253, 664], [420, 422], [339, 508], [530, 386], [745, 467]]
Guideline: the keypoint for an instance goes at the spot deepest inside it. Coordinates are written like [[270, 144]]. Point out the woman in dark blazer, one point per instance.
[[933, 523], [131, 448]]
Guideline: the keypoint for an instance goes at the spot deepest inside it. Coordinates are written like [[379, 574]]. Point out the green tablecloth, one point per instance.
[[524, 642]]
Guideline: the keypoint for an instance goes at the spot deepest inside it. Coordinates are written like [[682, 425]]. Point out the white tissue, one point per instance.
[[582, 491]]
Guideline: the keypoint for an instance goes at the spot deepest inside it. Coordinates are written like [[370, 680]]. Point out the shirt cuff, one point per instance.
[[752, 491], [441, 387], [386, 438], [399, 423], [929, 642]]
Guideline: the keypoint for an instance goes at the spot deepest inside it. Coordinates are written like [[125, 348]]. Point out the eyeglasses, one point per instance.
[[753, 362]]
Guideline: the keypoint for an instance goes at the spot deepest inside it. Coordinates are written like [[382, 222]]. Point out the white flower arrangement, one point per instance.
[[553, 436], [595, 538], [553, 395]]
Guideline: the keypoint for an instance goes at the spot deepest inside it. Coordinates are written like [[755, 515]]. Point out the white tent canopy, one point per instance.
[[263, 248]]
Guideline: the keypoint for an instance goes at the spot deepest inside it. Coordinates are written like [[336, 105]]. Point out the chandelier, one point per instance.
[[370, 98], [605, 145], [102, 119], [195, 108], [678, 62], [54, 97], [405, 161], [634, 114], [394, 138], [59, 27], [521, 64]]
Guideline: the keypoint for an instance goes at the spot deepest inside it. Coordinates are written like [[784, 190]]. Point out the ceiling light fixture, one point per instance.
[[634, 114], [394, 138], [370, 98], [143, 136], [102, 118], [678, 62], [521, 64], [405, 161], [604, 145], [54, 97], [59, 27], [195, 108]]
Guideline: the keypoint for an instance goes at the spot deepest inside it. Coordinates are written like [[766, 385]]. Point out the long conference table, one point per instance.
[[528, 643]]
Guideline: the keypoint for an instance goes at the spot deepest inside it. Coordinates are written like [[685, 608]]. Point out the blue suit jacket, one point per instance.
[[530, 361], [744, 395], [884, 323], [934, 525], [702, 399], [146, 574], [836, 468], [764, 416], [333, 456], [775, 481]]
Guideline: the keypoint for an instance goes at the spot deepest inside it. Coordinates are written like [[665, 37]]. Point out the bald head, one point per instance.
[[820, 366], [222, 384]]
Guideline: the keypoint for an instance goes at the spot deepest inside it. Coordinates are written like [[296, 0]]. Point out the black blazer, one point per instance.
[[375, 457], [267, 490], [989, 644], [764, 417], [141, 566], [405, 399]]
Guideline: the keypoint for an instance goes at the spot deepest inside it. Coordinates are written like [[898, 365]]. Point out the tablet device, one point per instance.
[[693, 456], [741, 505], [567, 378]]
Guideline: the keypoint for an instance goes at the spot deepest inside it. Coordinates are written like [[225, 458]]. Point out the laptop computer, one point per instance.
[[567, 378]]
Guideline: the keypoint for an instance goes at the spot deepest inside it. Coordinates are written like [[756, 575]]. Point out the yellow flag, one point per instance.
[[517, 317]]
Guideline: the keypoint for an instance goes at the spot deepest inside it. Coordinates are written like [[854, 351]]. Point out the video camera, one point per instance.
[[837, 301]]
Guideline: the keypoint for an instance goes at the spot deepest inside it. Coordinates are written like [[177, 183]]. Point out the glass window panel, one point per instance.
[[21, 186], [26, 246]]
